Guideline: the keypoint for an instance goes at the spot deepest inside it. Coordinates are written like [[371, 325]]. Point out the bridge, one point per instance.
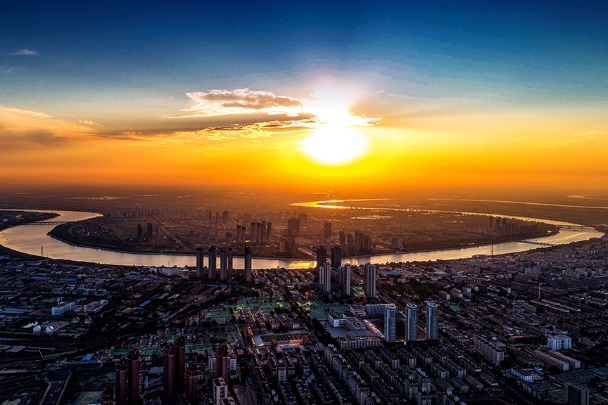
[[575, 227], [46, 223], [537, 243]]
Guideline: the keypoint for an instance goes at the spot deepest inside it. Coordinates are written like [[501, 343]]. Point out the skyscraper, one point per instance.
[[325, 278], [199, 262], [321, 255], [345, 278], [390, 323], [212, 262], [169, 372], [411, 331], [336, 256], [369, 280], [223, 264], [248, 275], [327, 230], [133, 383], [432, 314], [180, 362], [230, 261], [122, 377]]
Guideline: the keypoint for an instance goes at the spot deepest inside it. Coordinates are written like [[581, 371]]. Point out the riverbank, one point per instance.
[[64, 233], [29, 239]]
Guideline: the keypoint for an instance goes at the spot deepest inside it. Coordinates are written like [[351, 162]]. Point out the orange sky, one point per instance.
[[535, 150]]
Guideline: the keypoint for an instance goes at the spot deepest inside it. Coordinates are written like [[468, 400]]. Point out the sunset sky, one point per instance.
[[323, 95]]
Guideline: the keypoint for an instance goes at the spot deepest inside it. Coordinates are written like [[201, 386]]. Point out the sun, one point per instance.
[[335, 145]]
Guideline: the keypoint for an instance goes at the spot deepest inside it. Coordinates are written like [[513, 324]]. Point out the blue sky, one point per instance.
[[550, 50]]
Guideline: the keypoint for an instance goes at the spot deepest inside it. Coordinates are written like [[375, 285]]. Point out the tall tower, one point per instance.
[[432, 314], [169, 372], [390, 323], [212, 262], [321, 256], [336, 256], [230, 264], [345, 277], [133, 384], [248, 275], [122, 377], [326, 285], [411, 331], [199, 262], [180, 362], [369, 280], [223, 264]]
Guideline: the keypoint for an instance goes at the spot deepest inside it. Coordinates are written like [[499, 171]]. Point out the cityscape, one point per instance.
[[325, 203]]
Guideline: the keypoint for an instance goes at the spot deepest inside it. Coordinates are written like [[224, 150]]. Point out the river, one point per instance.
[[30, 238]]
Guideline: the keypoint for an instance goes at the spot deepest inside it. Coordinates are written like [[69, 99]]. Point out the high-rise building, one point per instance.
[[293, 227], [169, 372], [411, 332], [343, 240], [432, 315], [369, 280], [193, 373], [390, 323], [577, 395], [122, 385], [230, 261], [199, 262], [321, 255], [140, 232], [180, 363], [345, 278], [326, 277], [212, 262], [269, 232], [133, 383], [248, 275], [223, 264], [327, 230], [149, 230], [336, 256]]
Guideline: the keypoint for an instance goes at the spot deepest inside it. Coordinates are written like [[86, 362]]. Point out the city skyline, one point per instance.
[[384, 98]]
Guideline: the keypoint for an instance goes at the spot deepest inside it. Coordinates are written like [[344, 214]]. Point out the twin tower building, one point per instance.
[[226, 267]]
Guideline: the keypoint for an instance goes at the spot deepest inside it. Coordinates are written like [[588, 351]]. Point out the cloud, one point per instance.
[[89, 123], [24, 129], [241, 101], [24, 52]]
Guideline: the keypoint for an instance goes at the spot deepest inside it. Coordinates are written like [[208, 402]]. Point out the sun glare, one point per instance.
[[335, 145], [336, 141]]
